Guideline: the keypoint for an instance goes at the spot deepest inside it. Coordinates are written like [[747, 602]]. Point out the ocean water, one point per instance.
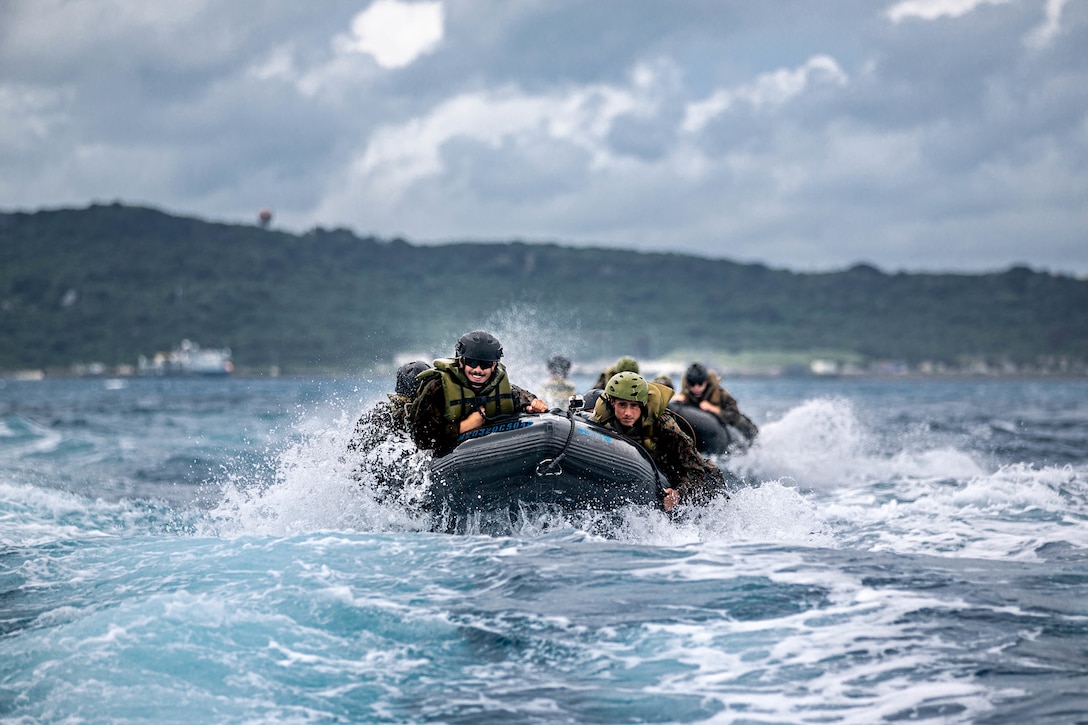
[[197, 551]]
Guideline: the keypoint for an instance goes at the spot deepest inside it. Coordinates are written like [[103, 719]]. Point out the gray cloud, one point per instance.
[[798, 134]]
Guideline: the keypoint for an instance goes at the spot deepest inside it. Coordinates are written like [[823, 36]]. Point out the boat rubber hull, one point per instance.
[[711, 437], [548, 460]]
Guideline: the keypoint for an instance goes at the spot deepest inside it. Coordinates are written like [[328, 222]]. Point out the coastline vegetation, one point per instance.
[[105, 284]]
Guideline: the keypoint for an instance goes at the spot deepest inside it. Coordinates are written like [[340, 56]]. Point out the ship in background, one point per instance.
[[188, 358]]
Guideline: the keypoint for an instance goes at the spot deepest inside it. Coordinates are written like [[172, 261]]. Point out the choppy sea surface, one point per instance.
[[198, 551]]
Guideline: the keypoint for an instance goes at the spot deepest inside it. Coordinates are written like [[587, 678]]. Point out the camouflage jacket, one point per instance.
[[386, 419], [694, 477]]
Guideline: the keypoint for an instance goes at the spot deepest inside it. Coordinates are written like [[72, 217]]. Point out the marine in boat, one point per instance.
[[712, 413]]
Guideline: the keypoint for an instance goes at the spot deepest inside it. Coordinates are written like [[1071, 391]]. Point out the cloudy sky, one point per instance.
[[916, 135]]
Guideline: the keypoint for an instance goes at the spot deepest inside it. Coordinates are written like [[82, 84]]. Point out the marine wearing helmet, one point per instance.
[[407, 384], [559, 366], [625, 364], [638, 410], [702, 388], [557, 390], [459, 394], [388, 416]]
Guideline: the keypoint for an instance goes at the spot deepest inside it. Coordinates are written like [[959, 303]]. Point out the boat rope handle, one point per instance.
[[550, 466]]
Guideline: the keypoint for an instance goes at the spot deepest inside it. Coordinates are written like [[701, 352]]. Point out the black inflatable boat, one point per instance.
[[558, 460], [711, 436]]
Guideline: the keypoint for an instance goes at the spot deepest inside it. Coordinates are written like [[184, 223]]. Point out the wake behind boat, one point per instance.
[[548, 460]]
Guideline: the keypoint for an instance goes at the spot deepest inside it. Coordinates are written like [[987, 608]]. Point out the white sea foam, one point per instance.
[[33, 516], [878, 588], [820, 444], [529, 337], [25, 436], [818, 479], [1006, 514], [926, 497], [751, 663], [313, 488]]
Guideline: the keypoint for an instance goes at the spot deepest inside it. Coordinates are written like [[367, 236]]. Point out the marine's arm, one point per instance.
[[525, 401], [694, 477], [372, 426]]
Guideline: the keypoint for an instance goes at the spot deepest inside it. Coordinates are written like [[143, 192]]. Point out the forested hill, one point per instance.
[[109, 282]]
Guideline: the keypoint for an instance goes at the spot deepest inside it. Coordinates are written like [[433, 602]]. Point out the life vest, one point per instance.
[[657, 404], [497, 398]]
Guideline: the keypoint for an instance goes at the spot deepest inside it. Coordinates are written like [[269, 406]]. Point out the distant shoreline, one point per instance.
[[100, 288], [40, 375]]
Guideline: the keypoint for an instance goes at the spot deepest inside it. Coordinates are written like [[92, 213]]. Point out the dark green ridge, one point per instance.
[[108, 283]]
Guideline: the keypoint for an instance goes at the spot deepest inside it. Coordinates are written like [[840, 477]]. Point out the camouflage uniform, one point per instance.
[[695, 478], [385, 450], [386, 419], [381, 437]]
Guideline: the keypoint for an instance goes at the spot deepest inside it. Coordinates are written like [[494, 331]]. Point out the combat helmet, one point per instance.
[[558, 365], [628, 386], [696, 373], [478, 345], [406, 377], [626, 364]]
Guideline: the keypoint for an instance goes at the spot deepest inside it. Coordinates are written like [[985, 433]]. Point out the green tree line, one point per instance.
[[108, 283]]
